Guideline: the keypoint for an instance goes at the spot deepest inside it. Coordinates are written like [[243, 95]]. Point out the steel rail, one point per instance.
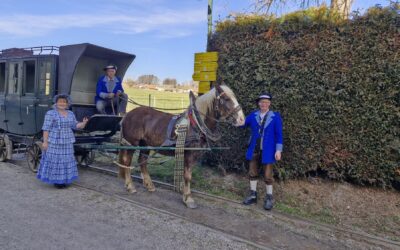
[[105, 146]]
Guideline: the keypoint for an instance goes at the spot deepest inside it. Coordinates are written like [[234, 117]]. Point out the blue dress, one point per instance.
[[58, 164]]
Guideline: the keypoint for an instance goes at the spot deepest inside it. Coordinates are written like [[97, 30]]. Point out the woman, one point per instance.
[[58, 164], [264, 149]]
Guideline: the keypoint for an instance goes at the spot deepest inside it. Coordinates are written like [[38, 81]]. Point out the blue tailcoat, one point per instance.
[[102, 87], [272, 139]]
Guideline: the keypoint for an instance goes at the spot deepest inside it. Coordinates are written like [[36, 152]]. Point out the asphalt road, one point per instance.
[[34, 215]]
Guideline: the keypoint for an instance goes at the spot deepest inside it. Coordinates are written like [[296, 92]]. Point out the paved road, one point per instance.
[[37, 216]]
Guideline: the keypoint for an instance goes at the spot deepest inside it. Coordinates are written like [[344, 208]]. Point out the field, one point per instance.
[[158, 99]]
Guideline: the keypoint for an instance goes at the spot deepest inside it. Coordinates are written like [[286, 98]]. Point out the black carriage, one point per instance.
[[31, 77]]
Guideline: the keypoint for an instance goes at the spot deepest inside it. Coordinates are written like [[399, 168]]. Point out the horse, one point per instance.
[[145, 126]]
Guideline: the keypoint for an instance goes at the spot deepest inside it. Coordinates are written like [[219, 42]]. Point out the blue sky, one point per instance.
[[163, 34]]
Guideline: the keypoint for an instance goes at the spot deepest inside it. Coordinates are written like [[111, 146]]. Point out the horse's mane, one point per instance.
[[204, 103]]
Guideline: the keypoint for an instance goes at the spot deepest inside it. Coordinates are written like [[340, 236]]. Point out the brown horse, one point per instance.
[[145, 126]]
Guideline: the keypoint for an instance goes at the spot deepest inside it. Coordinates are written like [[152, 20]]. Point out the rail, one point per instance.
[[38, 50], [117, 147]]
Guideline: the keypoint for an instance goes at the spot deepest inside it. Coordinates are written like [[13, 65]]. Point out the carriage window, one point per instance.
[[45, 77], [29, 70], [2, 77], [13, 78]]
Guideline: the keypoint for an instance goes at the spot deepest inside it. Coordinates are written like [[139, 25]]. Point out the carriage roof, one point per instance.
[[80, 66]]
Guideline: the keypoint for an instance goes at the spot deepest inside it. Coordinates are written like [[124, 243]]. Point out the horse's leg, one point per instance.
[[143, 157], [125, 158], [187, 175]]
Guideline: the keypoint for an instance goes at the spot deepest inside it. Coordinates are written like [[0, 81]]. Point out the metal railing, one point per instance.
[[39, 50], [42, 49]]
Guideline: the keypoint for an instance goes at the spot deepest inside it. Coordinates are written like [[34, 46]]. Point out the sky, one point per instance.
[[163, 34]]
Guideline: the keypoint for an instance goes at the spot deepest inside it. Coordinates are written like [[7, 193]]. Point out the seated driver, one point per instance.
[[110, 94]]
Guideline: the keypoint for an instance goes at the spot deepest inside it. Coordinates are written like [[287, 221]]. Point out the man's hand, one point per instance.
[[278, 155], [110, 95]]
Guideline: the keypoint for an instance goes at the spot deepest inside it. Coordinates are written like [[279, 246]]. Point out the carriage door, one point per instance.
[[13, 98], [45, 89], [28, 97], [2, 94]]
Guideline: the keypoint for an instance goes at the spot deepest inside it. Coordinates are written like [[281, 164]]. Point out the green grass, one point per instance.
[[323, 215], [159, 99]]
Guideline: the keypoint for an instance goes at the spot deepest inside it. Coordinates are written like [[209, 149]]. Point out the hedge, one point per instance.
[[336, 84]]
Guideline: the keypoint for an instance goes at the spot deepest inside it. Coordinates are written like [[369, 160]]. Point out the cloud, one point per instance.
[[163, 23]]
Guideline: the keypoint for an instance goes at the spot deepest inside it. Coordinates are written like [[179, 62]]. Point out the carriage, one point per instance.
[[31, 77]]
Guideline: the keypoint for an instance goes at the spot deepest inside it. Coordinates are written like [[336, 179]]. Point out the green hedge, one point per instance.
[[336, 84]]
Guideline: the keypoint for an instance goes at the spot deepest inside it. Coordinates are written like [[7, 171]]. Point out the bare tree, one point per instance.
[[342, 7], [130, 82], [170, 82], [148, 79]]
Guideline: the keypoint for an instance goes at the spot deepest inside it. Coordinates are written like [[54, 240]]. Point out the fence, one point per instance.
[[161, 102]]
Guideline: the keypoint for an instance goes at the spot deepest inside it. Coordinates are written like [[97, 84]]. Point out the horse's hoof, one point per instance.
[[151, 189], [131, 190], [189, 202]]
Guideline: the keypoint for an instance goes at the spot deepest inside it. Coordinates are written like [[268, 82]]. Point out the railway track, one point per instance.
[[374, 242]]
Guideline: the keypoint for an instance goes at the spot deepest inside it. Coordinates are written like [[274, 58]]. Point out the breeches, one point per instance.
[[255, 167], [119, 104]]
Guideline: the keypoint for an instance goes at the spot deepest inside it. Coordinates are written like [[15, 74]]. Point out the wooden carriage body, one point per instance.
[[31, 77]]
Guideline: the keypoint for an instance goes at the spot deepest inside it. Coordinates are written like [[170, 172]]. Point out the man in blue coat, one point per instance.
[[109, 92], [264, 149]]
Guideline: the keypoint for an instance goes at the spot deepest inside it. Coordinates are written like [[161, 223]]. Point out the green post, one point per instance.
[[149, 100], [210, 6]]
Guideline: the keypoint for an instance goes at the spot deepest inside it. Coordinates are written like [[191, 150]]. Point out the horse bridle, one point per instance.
[[220, 101], [199, 123]]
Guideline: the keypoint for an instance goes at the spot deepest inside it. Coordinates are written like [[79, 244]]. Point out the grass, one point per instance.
[[159, 99], [323, 215]]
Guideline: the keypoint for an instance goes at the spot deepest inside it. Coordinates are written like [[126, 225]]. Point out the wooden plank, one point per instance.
[[204, 87], [205, 76], [206, 57], [205, 66]]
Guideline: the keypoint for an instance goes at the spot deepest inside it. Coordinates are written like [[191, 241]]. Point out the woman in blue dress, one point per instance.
[[58, 165]]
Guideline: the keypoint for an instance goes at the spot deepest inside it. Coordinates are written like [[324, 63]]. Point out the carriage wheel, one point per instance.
[[34, 153], [86, 159], [3, 150]]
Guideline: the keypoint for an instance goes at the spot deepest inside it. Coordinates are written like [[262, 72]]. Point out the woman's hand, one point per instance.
[[45, 146], [278, 155], [85, 120]]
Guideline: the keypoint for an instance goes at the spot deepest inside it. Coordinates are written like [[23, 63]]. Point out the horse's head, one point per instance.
[[226, 106]]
